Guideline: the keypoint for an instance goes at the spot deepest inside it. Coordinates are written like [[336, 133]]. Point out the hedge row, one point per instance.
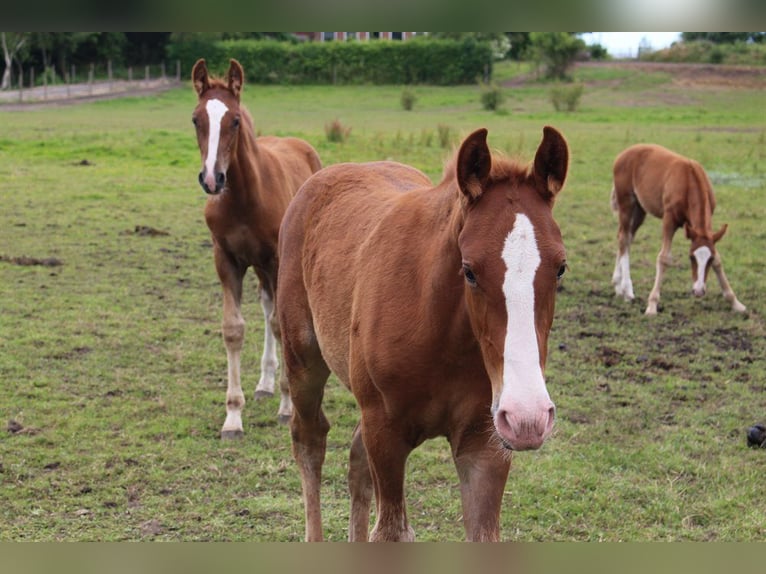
[[415, 61]]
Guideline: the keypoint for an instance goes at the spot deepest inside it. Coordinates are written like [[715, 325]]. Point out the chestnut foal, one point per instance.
[[250, 182], [433, 305]]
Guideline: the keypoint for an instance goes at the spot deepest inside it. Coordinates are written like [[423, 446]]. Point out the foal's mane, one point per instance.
[[503, 168]]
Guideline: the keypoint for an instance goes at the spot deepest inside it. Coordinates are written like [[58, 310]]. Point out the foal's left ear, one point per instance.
[[551, 163], [473, 164], [720, 233], [236, 77]]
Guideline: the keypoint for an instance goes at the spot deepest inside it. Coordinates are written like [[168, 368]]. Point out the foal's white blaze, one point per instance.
[[524, 411], [216, 109], [702, 255]]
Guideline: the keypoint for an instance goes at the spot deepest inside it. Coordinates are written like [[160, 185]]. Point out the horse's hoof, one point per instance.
[[284, 419], [260, 395], [236, 434]]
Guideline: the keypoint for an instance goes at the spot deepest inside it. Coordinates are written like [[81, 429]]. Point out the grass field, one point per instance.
[[113, 372]]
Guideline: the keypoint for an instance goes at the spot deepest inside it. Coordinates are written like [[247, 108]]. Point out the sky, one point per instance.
[[625, 44]]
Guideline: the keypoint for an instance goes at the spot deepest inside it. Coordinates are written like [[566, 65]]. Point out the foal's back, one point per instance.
[[659, 178], [329, 222]]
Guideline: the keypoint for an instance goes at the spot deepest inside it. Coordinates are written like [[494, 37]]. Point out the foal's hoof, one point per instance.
[[260, 395], [756, 436], [236, 434], [284, 419]]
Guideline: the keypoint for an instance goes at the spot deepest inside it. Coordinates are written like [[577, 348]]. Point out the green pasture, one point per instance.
[[113, 372]]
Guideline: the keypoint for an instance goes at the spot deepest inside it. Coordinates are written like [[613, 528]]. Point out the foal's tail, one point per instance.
[[613, 200]]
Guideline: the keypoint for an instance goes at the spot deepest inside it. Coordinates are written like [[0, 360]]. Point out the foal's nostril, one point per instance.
[[220, 179], [201, 178]]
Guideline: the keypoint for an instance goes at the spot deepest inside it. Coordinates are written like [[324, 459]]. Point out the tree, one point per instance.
[[723, 37], [558, 51], [12, 43]]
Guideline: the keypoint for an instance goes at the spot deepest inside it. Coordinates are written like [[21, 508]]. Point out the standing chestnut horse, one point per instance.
[[250, 182], [651, 178], [433, 305]]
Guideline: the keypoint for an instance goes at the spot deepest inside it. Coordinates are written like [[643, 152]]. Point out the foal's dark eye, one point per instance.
[[561, 271], [194, 120], [469, 275], [235, 123]]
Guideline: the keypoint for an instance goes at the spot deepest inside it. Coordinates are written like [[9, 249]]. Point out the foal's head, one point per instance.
[[702, 253], [217, 119], [513, 257]]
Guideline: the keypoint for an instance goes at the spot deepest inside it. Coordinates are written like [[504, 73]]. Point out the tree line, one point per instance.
[[58, 52]]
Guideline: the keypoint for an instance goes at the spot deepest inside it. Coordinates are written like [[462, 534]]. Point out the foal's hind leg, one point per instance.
[[270, 360], [631, 215], [360, 489], [728, 292]]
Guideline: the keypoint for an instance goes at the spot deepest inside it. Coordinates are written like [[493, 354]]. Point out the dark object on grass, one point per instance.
[[28, 261], [756, 436]]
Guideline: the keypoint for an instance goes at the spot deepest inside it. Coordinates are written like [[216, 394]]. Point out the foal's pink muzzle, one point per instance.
[[525, 429]]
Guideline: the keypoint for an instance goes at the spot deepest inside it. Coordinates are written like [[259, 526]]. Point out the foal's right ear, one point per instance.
[[474, 162], [200, 77], [551, 163]]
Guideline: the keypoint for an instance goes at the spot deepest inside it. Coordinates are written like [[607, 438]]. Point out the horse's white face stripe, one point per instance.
[[702, 255], [523, 380], [216, 109]]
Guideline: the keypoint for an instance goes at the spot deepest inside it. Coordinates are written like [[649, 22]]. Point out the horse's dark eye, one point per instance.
[[194, 120], [469, 275], [562, 270], [235, 123]]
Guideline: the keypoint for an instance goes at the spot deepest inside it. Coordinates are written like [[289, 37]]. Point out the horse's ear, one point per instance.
[[236, 76], [551, 163], [473, 164], [200, 78], [691, 233], [720, 233]]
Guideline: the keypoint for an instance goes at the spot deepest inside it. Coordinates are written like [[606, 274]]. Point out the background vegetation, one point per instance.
[[441, 58], [113, 370]]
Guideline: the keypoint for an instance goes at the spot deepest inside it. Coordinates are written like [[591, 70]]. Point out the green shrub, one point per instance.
[[408, 99], [566, 97], [492, 97], [418, 60]]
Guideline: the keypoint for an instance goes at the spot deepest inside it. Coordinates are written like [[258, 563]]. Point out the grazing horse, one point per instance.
[[250, 182], [651, 178], [433, 306]]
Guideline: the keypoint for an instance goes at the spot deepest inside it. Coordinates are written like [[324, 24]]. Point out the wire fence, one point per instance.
[[96, 81]]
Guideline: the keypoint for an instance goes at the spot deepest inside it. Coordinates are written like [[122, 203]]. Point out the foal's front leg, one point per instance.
[[663, 262], [231, 276], [387, 452], [728, 292], [482, 466]]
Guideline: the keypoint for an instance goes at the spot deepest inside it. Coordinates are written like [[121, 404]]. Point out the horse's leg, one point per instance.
[[387, 452], [285, 404], [360, 488], [483, 471], [231, 276], [307, 374], [728, 292], [269, 360], [663, 261], [631, 215]]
